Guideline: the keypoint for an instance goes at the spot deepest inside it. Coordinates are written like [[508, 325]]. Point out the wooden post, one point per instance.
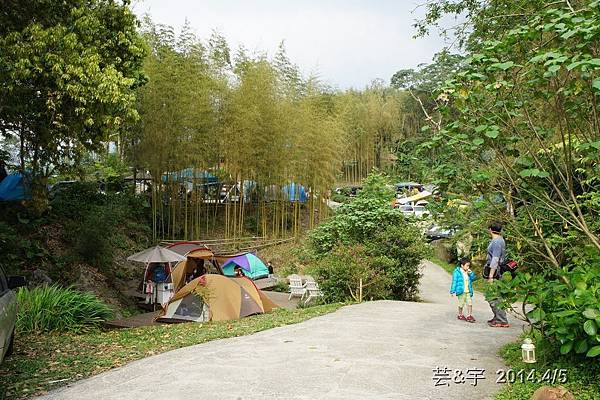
[[360, 290]]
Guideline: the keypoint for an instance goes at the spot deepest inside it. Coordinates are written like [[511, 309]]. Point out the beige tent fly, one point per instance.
[[214, 297]]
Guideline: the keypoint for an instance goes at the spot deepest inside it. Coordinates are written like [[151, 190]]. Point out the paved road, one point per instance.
[[374, 350]]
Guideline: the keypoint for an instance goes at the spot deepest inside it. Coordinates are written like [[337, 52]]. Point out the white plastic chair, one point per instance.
[[297, 289], [312, 289]]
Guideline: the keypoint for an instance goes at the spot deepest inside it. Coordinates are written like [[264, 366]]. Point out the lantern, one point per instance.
[[528, 351]]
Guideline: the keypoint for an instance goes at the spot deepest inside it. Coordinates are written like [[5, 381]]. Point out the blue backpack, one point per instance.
[[160, 275]]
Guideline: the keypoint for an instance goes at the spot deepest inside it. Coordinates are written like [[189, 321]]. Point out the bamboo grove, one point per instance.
[[259, 127]]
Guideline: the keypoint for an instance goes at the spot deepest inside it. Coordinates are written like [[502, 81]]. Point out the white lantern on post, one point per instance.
[[528, 351]]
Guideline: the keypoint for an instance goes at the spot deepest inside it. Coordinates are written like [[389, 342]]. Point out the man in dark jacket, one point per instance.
[[496, 255]]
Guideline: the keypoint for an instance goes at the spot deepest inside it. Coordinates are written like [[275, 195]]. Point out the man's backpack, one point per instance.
[[507, 266]]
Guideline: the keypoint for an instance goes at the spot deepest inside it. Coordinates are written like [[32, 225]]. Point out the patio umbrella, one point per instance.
[[156, 254]]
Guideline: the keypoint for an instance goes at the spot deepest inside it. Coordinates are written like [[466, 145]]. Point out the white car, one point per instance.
[[8, 311], [417, 210]]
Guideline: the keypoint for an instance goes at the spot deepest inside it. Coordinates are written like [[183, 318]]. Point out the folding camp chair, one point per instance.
[[297, 289], [312, 289]]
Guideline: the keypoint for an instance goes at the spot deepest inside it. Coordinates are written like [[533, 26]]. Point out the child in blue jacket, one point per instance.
[[462, 287]]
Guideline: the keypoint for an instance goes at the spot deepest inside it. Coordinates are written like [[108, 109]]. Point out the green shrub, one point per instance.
[[358, 220], [566, 308], [339, 274], [340, 198], [53, 308], [367, 239], [404, 245], [92, 237]]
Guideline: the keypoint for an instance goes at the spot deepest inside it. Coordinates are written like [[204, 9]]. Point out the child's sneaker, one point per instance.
[[470, 319], [461, 317]]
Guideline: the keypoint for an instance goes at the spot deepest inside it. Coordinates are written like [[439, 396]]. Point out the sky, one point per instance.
[[346, 43]]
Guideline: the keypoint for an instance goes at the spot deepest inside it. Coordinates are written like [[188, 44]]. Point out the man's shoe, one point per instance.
[[461, 317], [490, 320], [496, 324], [470, 319]]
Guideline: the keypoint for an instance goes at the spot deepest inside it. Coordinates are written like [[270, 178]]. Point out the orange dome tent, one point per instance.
[[214, 297]]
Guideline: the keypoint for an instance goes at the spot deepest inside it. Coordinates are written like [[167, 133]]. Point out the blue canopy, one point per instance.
[[14, 188], [294, 192]]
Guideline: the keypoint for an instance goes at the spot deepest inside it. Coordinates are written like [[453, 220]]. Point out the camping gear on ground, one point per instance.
[[253, 266], [157, 287], [164, 292], [159, 274], [14, 187], [214, 297]]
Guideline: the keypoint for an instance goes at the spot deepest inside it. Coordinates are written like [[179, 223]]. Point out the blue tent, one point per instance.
[[294, 192], [253, 266], [14, 187]]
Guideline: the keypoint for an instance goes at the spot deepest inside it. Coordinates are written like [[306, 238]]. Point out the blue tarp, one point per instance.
[[294, 192], [14, 188], [188, 174]]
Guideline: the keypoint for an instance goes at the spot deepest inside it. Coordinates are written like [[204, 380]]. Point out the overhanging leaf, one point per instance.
[[590, 327], [581, 346], [594, 352], [591, 313], [566, 348]]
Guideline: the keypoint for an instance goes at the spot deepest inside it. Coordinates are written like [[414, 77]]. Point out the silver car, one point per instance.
[[8, 311]]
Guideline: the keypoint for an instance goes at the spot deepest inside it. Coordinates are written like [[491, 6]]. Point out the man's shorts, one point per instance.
[[463, 299]]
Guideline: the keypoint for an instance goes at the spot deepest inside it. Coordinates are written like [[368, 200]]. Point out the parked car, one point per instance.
[[8, 311], [418, 210], [350, 191], [436, 232]]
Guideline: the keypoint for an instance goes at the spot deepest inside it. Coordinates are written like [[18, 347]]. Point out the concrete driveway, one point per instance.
[[374, 350]]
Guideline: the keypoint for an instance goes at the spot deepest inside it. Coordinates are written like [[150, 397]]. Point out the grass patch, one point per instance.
[[53, 308], [581, 376], [478, 285], [44, 362]]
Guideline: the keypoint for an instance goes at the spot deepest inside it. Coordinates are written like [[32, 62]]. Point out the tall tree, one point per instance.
[[68, 71], [522, 120]]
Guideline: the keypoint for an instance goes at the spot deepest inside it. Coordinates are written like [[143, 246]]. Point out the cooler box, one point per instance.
[[164, 292]]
